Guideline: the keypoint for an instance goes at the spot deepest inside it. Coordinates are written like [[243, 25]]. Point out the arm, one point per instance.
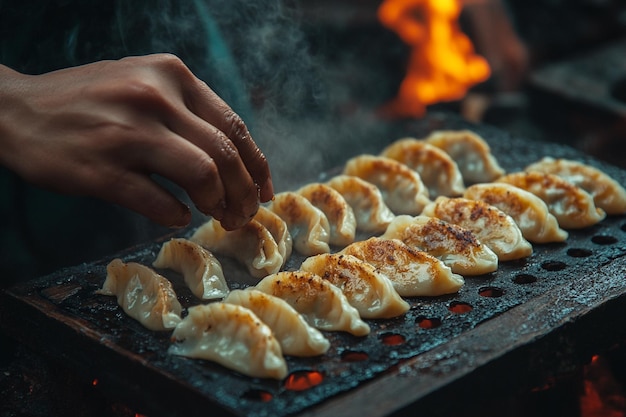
[[104, 129]]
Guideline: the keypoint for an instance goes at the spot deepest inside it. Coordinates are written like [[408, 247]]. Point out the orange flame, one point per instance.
[[442, 64]]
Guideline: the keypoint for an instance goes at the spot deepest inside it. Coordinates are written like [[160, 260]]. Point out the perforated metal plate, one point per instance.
[[563, 295]]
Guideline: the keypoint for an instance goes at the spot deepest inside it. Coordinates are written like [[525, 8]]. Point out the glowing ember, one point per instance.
[[303, 380], [442, 64]]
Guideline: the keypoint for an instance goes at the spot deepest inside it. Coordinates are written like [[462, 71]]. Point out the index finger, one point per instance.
[[205, 103]]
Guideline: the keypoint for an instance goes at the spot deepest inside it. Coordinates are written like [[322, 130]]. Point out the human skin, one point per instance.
[[108, 128]]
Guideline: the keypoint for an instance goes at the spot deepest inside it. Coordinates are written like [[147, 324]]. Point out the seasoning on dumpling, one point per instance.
[[278, 228], [471, 153], [439, 172], [201, 270], [307, 224], [413, 273], [607, 193], [322, 304], [402, 188], [456, 246], [572, 206], [371, 212], [232, 336], [252, 245], [339, 213], [491, 225], [530, 213], [295, 335], [143, 294], [369, 291]]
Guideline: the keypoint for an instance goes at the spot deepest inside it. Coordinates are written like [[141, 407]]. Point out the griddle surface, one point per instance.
[[565, 296]]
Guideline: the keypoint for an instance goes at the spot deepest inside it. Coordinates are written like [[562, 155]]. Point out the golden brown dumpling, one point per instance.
[[402, 188], [295, 335], [307, 224], [491, 225], [572, 206], [371, 212], [279, 230], [340, 215], [232, 336], [439, 172], [413, 273], [370, 292], [143, 294], [322, 304], [252, 245], [607, 193], [201, 270], [471, 153], [456, 246], [530, 213]]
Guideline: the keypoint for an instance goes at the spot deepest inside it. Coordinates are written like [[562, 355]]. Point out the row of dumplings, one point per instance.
[[435, 210]]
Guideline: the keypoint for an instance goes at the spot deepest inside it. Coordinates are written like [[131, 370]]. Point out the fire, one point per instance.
[[442, 65]]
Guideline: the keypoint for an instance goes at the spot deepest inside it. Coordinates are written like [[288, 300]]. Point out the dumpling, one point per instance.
[[402, 188], [471, 153], [439, 172], [607, 193], [371, 212], [572, 206], [530, 213], [322, 304], [340, 215], [455, 246], [412, 273], [201, 270], [295, 335], [491, 225], [232, 336], [252, 245], [369, 291], [278, 228], [307, 224], [143, 294]]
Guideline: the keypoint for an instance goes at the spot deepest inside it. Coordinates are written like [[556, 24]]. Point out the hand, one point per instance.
[[104, 129]]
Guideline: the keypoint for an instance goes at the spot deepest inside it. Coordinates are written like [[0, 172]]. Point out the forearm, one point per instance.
[[11, 88]]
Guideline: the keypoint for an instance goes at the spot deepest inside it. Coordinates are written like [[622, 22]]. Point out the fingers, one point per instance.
[[141, 194], [202, 101], [220, 163]]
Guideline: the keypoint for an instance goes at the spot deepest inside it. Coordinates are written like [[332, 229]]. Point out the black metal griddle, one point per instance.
[[530, 319]]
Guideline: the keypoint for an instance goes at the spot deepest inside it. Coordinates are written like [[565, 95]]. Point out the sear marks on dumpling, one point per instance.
[[308, 225], [530, 212], [572, 206], [402, 188], [471, 153], [321, 303], [371, 212], [439, 172], [491, 225], [252, 245], [607, 193], [340, 214], [456, 246], [369, 291], [412, 272], [295, 335], [232, 336], [201, 270], [279, 230]]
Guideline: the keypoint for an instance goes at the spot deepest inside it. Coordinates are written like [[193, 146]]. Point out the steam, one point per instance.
[[257, 57]]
